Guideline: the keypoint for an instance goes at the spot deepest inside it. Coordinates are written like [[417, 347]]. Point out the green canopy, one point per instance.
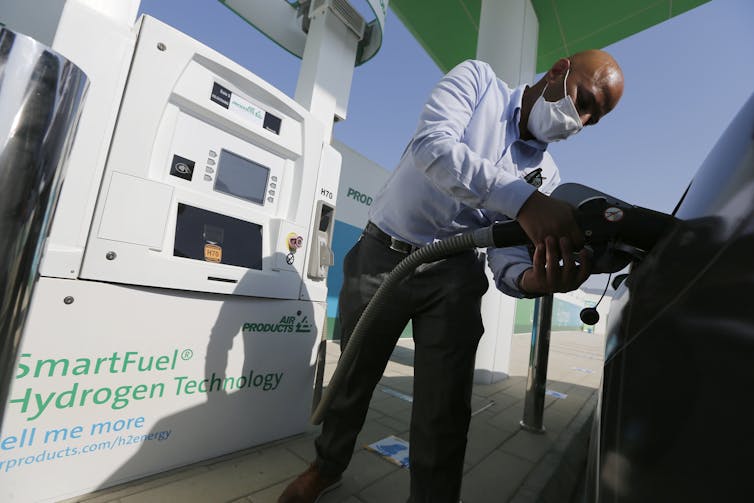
[[447, 29]]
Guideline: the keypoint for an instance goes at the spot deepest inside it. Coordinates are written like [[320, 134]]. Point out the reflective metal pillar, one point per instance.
[[536, 383], [41, 94]]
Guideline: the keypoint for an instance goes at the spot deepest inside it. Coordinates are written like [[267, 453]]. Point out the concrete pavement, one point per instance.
[[504, 463]]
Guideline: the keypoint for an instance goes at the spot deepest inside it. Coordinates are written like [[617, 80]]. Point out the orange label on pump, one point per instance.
[[213, 253]]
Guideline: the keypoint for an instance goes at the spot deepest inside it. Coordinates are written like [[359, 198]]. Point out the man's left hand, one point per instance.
[[551, 272]]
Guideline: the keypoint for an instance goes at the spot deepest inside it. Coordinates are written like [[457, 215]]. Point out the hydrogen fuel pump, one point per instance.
[[182, 290]]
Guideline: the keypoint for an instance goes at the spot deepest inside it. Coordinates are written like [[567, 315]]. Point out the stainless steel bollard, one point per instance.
[[536, 383], [41, 94]]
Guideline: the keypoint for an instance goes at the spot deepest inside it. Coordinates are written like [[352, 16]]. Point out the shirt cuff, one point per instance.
[[508, 282], [509, 198]]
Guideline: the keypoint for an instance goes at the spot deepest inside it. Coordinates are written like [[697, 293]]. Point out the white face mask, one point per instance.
[[554, 120]]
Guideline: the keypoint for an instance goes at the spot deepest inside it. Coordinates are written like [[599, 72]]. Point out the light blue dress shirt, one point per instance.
[[464, 167]]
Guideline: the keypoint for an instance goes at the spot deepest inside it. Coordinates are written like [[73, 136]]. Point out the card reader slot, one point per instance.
[[223, 280]]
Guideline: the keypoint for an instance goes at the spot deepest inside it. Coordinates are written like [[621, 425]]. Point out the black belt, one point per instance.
[[387, 239]]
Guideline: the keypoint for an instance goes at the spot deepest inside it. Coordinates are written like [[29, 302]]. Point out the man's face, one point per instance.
[[591, 92]]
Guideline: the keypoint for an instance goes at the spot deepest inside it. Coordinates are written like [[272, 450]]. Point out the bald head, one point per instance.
[[603, 70]]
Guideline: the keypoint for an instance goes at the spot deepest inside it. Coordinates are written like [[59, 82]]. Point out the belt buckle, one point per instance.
[[399, 246]]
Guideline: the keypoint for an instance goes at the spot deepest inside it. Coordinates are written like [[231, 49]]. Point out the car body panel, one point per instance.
[[674, 406]]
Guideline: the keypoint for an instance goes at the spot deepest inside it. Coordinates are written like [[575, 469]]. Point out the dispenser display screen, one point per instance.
[[240, 177]]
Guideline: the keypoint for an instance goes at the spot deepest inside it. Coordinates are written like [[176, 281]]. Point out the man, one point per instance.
[[477, 147]]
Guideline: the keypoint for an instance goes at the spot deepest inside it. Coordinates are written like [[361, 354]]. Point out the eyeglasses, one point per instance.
[[535, 178]]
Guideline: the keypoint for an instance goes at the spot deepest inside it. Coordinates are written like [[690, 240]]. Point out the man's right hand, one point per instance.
[[543, 216]]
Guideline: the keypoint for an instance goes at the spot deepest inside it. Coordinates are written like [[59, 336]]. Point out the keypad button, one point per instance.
[[211, 162], [182, 167], [212, 153], [209, 170], [271, 192], [208, 178], [273, 185]]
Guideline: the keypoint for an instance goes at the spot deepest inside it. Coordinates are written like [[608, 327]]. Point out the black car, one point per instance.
[[675, 418]]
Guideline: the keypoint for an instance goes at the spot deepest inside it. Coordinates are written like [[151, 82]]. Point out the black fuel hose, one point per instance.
[[506, 234]]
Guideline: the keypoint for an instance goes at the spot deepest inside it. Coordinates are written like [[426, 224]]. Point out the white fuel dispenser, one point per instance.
[[187, 325], [212, 180]]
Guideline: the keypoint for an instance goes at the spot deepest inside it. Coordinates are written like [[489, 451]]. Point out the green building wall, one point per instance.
[[565, 316]]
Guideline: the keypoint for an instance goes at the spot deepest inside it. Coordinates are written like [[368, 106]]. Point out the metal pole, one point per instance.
[[40, 100], [534, 403]]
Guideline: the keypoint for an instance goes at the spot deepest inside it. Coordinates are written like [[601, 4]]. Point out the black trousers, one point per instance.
[[443, 301]]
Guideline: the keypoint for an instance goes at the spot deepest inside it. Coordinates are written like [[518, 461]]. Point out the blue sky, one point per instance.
[[685, 80]]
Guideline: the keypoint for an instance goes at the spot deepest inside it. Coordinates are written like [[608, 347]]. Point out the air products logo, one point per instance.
[[358, 196], [288, 324]]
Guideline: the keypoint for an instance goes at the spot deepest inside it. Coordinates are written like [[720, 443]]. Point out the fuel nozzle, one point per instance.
[[616, 232]]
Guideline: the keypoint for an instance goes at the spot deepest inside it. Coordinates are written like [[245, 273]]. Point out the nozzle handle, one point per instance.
[[510, 233]]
